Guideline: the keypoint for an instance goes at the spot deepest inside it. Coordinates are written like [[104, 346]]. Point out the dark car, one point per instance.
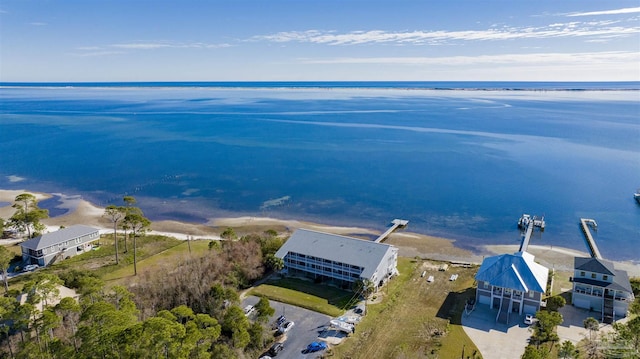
[[316, 346], [281, 319], [276, 348]]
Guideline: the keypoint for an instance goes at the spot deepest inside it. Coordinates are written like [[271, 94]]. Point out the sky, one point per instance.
[[319, 40]]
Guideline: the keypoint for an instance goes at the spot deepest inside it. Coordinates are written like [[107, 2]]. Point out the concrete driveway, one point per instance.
[[572, 327], [495, 340]]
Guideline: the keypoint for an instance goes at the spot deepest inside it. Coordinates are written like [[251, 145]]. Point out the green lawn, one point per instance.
[[171, 254], [415, 319], [319, 298]]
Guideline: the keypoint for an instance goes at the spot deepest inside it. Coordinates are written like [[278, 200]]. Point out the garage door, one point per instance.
[[581, 303], [529, 309]]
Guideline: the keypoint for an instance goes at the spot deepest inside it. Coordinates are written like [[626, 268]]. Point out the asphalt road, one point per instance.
[[308, 325]]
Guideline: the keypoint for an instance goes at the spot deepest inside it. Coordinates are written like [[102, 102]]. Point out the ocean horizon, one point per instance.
[[460, 160]]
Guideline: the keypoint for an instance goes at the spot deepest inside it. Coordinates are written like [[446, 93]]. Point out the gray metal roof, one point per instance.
[[515, 271], [60, 236], [595, 265], [349, 250]]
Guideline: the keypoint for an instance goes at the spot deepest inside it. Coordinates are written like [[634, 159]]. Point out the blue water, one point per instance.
[[460, 160]]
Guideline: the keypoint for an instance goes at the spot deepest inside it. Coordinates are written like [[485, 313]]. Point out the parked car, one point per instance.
[[275, 349], [285, 327], [281, 319], [316, 346], [248, 310], [528, 319], [30, 267]]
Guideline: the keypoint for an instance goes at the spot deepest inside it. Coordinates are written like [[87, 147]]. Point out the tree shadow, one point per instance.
[[453, 305]]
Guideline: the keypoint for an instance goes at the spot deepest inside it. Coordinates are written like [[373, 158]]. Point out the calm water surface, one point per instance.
[[461, 162]]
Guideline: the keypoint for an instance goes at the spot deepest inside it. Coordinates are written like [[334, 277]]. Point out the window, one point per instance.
[[486, 285], [605, 277], [532, 294], [582, 274], [593, 275]]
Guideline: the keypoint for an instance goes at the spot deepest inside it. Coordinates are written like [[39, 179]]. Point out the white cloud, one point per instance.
[[557, 30], [36, 23], [98, 52], [629, 10], [165, 45], [508, 59]]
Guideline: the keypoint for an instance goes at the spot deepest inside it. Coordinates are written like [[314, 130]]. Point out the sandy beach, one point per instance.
[[409, 244]]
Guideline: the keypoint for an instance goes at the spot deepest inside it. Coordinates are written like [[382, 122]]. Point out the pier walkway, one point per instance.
[[527, 237], [395, 224], [591, 243], [529, 223]]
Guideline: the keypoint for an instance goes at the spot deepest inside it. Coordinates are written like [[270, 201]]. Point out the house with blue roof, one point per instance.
[[511, 283]]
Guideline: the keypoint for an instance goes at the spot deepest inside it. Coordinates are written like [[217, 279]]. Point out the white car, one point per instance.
[[30, 267], [248, 310], [285, 327], [528, 319]]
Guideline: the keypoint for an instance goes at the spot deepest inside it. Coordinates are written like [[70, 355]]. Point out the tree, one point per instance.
[[129, 202], [236, 325], [275, 263], [531, 352], [69, 310], [568, 350], [229, 234], [363, 286], [27, 215], [137, 223], [592, 325], [628, 334], [264, 309], [44, 288], [5, 260], [544, 330], [556, 302], [115, 214]]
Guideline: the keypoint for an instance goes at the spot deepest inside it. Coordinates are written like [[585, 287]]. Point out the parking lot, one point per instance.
[[308, 326]]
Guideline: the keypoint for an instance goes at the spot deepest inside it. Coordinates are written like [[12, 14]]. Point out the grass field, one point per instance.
[[319, 298], [171, 254], [415, 319]]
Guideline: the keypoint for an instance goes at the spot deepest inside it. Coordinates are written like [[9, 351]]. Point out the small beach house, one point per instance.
[[598, 286], [511, 283], [338, 259], [66, 242]]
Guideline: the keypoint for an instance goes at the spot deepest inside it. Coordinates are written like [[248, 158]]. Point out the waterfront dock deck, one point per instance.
[[395, 224], [591, 243], [528, 223]]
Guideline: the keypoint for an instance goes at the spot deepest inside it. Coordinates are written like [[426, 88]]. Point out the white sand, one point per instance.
[[410, 244]]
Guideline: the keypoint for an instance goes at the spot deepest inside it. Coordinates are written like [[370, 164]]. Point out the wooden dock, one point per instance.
[[529, 223], [395, 224], [527, 237], [591, 243]]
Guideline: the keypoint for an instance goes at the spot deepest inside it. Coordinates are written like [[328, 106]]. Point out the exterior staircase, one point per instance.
[[503, 315], [607, 310]]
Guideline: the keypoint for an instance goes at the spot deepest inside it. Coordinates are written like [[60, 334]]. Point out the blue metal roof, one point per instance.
[[514, 271]]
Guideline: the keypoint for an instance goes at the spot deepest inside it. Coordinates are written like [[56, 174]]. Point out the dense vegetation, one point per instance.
[[189, 309]]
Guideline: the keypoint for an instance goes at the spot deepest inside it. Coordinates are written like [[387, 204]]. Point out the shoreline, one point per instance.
[[80, 211]]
